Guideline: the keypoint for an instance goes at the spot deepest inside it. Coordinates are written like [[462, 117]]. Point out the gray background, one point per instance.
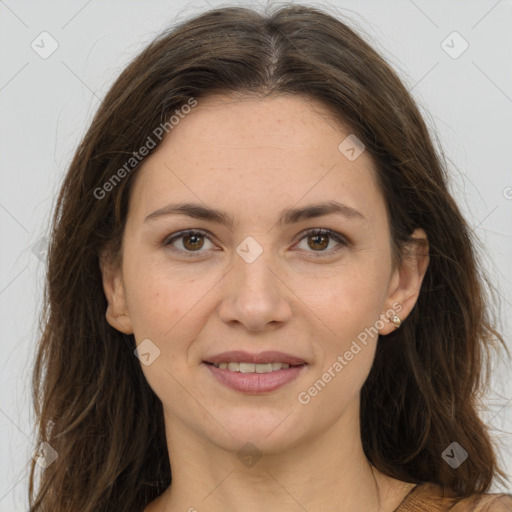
[[47, 103]]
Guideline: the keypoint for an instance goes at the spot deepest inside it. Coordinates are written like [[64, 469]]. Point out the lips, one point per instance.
[[255, 382], [253, 375], [266, 357]]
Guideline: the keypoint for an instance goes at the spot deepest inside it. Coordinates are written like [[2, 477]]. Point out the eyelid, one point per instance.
[[334, 235], [180, 234]]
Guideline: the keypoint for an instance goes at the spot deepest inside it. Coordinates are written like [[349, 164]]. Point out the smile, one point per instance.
[[252, 367], [252, 378]]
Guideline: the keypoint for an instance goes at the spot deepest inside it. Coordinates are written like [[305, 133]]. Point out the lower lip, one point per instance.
[[256, 382]]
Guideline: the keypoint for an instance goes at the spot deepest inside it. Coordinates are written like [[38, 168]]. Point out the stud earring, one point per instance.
[[397, 321]]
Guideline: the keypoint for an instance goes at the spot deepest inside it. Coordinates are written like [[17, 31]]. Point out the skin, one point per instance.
[[253, 157]]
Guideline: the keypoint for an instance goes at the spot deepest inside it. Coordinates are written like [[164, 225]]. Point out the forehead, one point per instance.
[[267, 152]]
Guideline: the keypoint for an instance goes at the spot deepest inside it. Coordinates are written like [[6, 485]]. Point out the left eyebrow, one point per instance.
[[287, 216]]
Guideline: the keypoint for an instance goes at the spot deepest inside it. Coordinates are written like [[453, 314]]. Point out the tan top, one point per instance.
[[428, 497]]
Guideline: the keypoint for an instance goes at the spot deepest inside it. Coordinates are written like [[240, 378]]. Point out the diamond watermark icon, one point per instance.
[[147, 352], [40, 248], [44, 455], [454, 455], [249, 250], [44, 45], [351, 147], [454, 45], [249, 455]]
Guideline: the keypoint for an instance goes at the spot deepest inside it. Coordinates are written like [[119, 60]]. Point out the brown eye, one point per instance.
[[192, 241], [318, 241]]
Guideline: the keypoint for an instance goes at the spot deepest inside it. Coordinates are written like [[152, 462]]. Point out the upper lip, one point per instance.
[[268, 356]]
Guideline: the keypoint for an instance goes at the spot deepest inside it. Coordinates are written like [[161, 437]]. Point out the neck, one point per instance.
[[326, 473]]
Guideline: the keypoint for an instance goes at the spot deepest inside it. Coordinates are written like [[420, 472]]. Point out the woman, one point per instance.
[[261, 295]]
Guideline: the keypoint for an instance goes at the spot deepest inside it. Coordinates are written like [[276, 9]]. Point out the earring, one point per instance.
[[397, 321]]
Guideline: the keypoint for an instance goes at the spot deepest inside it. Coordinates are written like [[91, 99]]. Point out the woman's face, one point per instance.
[[257, 282]]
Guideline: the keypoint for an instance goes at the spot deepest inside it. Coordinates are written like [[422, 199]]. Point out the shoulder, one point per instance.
[[429, 497], [484, 503]]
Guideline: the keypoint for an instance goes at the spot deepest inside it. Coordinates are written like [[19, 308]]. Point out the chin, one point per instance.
[[269, 434]]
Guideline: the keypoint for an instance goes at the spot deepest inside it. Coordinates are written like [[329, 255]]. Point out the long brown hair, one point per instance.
[[92, 402]]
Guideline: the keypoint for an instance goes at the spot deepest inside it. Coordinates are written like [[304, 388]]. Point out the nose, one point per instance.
[[255, 294]]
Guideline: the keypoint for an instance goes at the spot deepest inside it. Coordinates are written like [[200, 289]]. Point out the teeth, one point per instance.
[[247, 367], [262, 368], [252, 367]]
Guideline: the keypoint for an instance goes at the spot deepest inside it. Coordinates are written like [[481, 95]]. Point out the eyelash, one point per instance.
[[314, 231]]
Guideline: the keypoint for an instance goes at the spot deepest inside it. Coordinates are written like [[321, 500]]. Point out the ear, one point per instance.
[[117, 314], [405, 282]]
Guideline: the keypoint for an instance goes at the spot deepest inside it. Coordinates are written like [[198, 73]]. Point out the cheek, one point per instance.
[[351, 299], [349, 308], [151, 297], [164, 299], [163, 306], [349, 311]]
